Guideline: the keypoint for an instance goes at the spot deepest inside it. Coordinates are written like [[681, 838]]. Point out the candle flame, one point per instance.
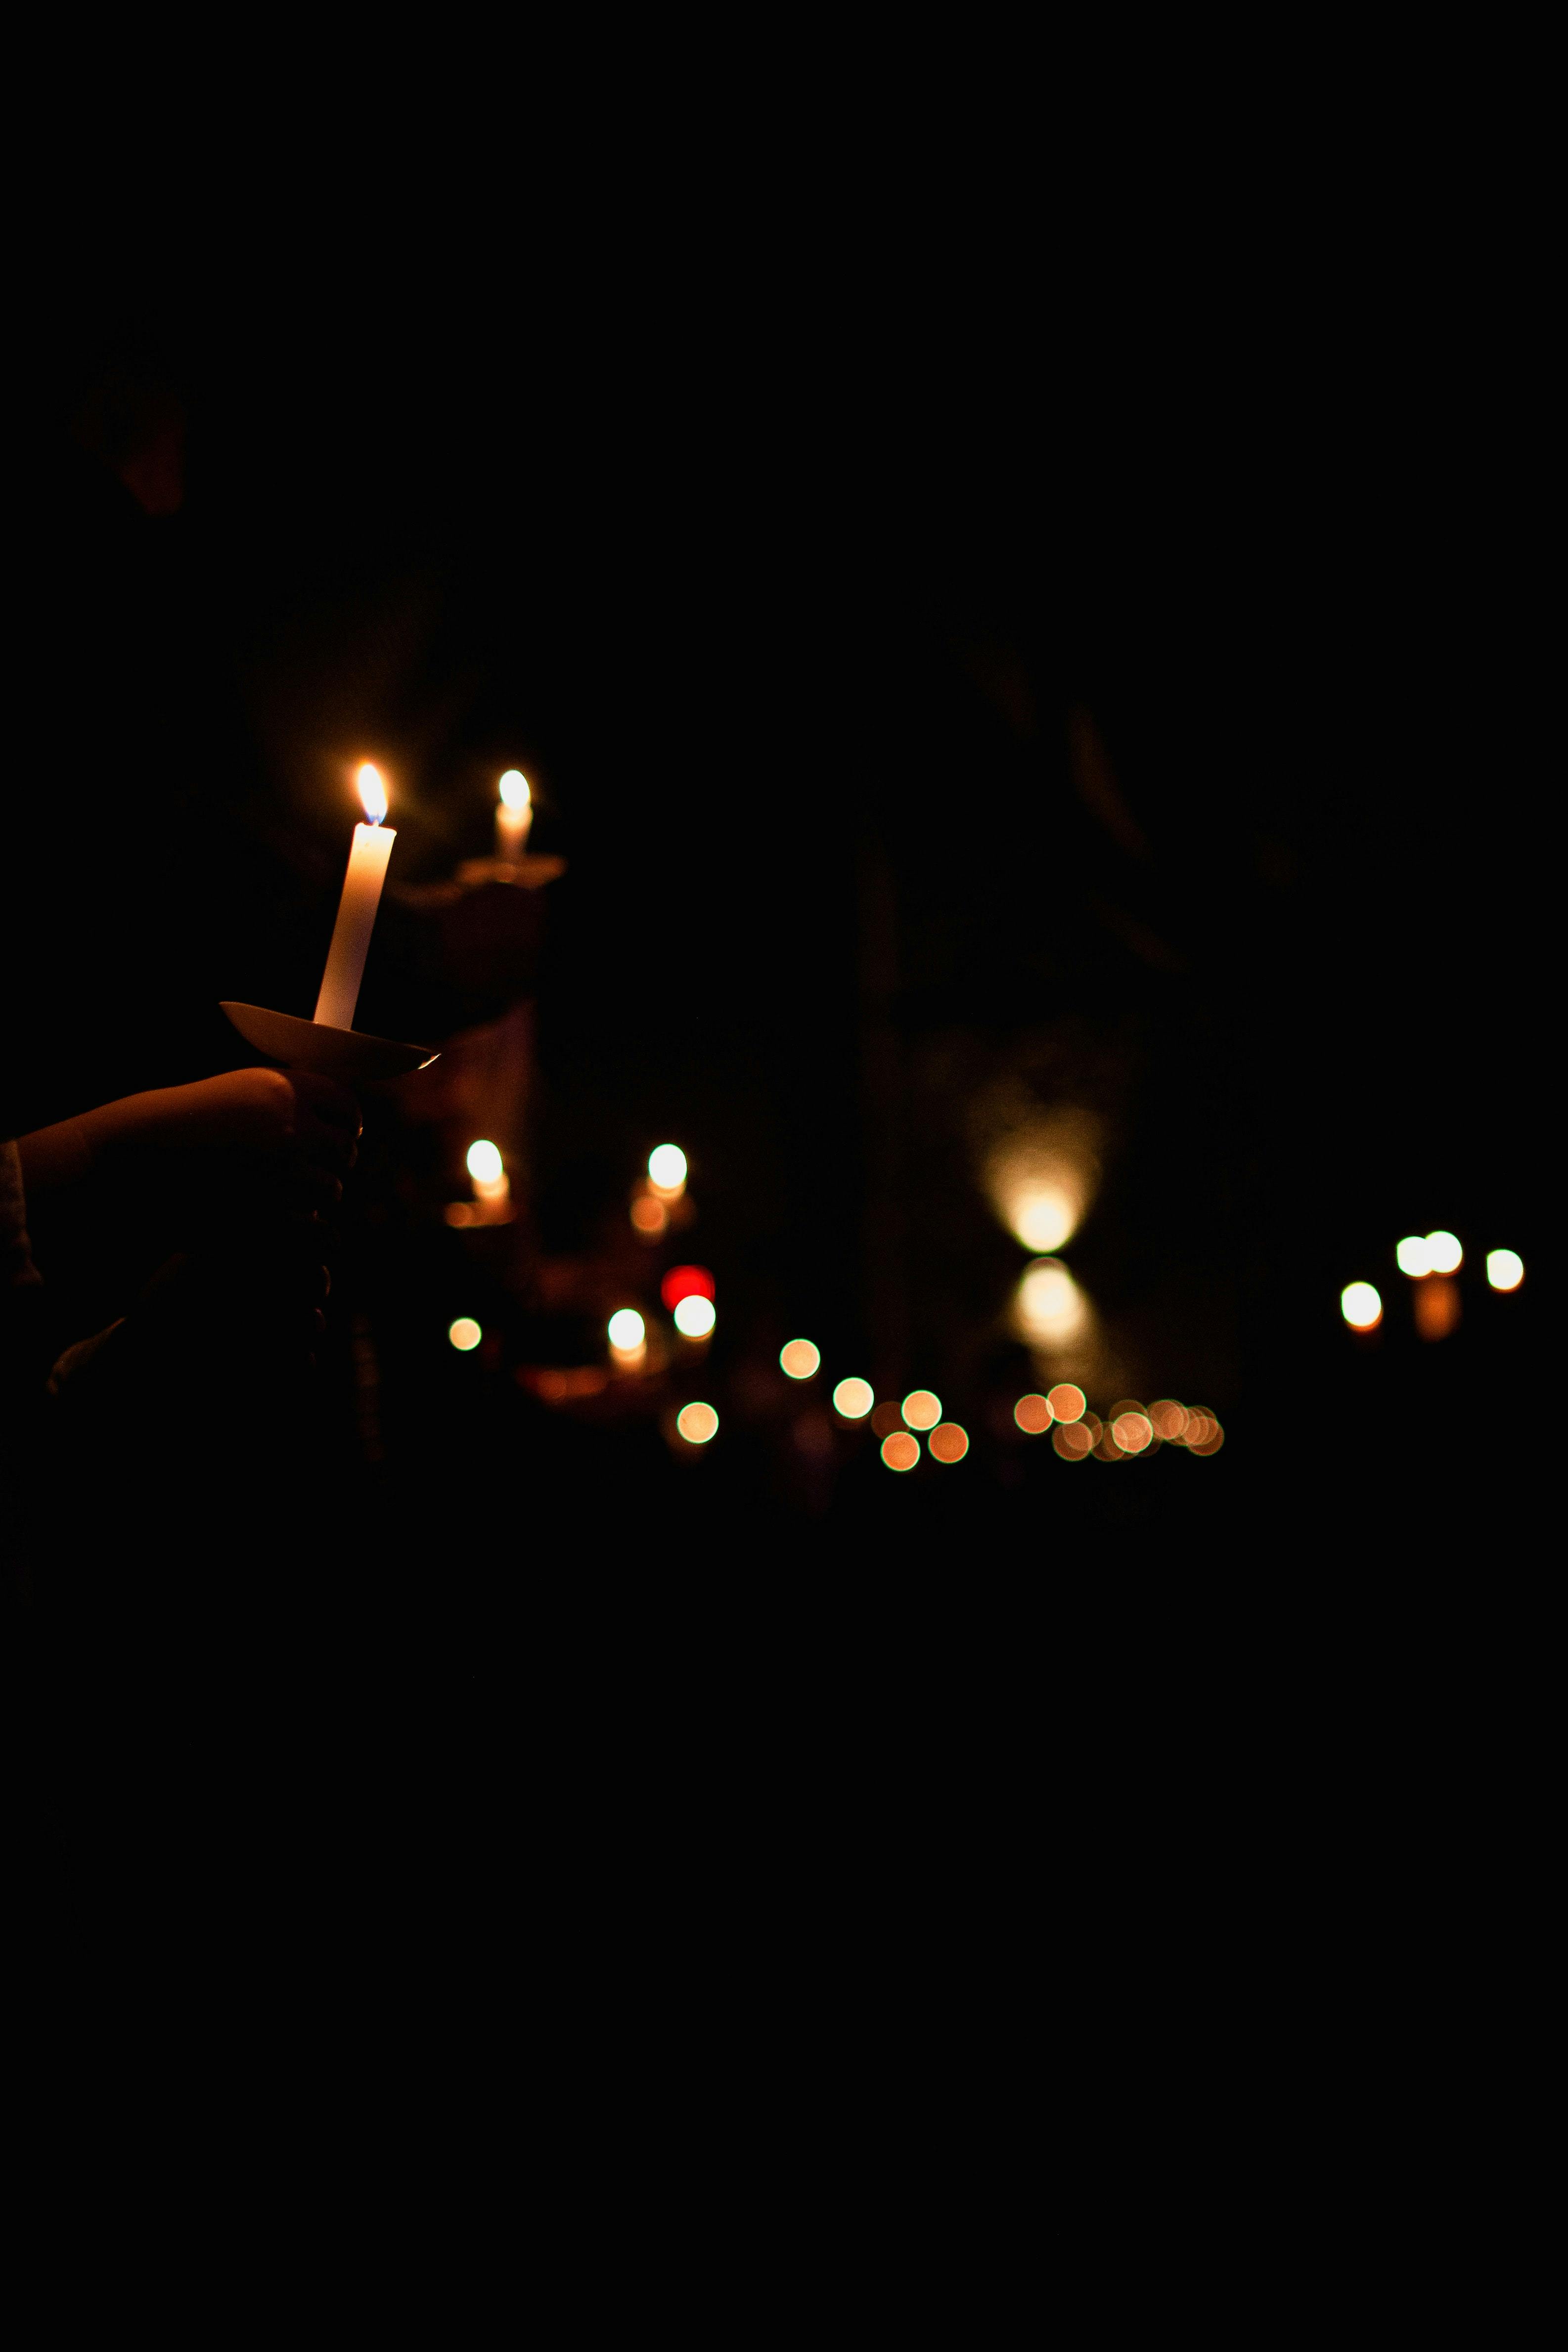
[[514, 789], [372, 793]]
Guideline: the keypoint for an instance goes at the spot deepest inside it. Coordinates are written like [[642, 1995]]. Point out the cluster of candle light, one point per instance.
[[1129, 1429], [1421, 1257]]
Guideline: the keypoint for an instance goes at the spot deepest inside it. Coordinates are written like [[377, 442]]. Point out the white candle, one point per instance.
[[356, 908], [514, 815]]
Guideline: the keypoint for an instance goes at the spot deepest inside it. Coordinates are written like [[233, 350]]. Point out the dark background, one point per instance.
[[788, 630]]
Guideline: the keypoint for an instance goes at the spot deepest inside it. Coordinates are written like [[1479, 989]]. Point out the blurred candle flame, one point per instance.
[[372, 793]]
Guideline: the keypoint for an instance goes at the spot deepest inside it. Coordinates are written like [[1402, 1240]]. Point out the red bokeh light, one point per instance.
[[685, 1282]]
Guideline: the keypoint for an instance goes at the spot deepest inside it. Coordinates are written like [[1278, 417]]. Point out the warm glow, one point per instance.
[[921, 1410], [1168, 1419], [371, 792], [1444, 1254], [514, 789], [1211, 1437], [854, 1398], [1437, 1307], [649, 1215], [901, 1451], [949, 1443], [1412, 1256], [667, 1169], [1041, 1169], [627, 1329], [1133, 1431], [464, 1334], [1066, 1401], [800, 1359], [694, 1316], [1072, 1441], [485, 1163], [1034, 1414], [1051, 1306], [887, 1419], [697, 1422], [1360, 1305], [1505, 1269], [1045, 1218]]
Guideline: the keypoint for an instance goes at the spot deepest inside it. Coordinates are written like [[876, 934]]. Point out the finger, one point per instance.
[[328, 1102]]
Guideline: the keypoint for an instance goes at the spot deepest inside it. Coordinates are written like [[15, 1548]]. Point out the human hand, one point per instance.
[[289, 1130]]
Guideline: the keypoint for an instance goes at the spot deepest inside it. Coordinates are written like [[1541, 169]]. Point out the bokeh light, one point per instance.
[[1041, 1167], [1045, 1217], [696, 1423], [1360, 1305], [649, 1214], [900, 1451], [1444, 1254], [1066, 1401], [1134, 1430], [627, 1329], [1051, 1307], [854, 1398], [485, 1163], [1213, 1437], [887, 1418], [1168, 1419], [1412, 1256], [1437, 1307], [464, 1334], [1034, 1414], [949, 1441], [799, 1358], [686, 1282], [1505, 1269], [694, 1316], [921, 1409], [371, 792], [667, 1169], [514, 789], [1072, 1441]]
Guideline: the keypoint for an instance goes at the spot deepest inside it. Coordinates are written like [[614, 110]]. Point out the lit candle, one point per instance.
[[356, 908], [514, 815]]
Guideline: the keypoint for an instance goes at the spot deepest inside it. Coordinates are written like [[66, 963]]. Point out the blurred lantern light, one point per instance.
[[1168, 1419], [1444, 1254], [1213, 1437], [485, 1164], [900, 1451], [627, 1329], [1034, 1414], [921, 1409], [649, 1215], [887, 1418], [464, 1334], [1051, 1306], [1072, 1441], [854, 1398], [1360, 1305], [694, 1316], [685, 1282], [371, 793], [1066, 1401], [1505, 1269], [696, 1423], [514, 789], [1045, 1218], [1413, 1256], [799, 1358], [667, 1170], [949, 1441]]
